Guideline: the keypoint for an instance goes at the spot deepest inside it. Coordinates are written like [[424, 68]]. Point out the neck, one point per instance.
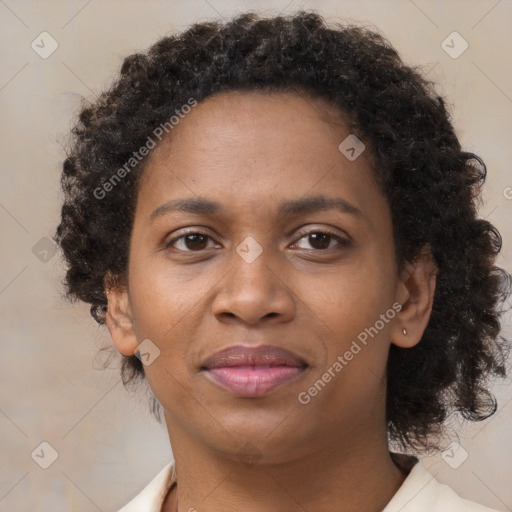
[[359, 476]]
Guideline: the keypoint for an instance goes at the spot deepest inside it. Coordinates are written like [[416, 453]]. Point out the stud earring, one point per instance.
[[404, 331]]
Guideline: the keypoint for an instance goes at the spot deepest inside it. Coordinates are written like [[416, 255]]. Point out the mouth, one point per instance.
[[253, 371]]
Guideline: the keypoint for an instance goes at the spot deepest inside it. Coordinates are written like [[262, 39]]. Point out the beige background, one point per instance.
[[52, 387]]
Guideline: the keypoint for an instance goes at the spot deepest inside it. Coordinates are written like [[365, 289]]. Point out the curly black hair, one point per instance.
[[432, 186]]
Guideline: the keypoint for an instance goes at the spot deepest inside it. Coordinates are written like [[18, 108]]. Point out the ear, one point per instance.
[[415, 292], [120, 321]]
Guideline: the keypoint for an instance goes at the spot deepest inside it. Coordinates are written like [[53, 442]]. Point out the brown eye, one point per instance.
[[322, 240], [190, 242]]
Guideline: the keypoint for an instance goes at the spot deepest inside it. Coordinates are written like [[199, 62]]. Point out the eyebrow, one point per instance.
[[293, 207]]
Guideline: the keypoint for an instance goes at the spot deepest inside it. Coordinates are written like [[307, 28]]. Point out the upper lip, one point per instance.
[[263, 355]]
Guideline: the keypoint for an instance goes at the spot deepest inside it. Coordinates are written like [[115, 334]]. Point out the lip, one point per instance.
[[253, 371]]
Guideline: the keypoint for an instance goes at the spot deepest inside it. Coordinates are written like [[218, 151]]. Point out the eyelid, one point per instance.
[[323, 229], [187, 231]]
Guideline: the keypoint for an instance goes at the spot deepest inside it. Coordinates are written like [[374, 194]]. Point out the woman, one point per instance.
[[278, 225]]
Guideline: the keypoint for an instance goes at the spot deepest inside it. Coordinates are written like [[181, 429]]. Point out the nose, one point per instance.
[[253, 292]]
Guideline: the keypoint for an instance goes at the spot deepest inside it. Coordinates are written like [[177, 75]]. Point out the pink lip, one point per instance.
[[253, 371]]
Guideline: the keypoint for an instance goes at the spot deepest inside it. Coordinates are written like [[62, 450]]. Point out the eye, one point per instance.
[[196, 241], [193, 241], [321, 240]]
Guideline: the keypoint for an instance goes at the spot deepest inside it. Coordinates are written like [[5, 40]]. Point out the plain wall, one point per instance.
[[53, 388]]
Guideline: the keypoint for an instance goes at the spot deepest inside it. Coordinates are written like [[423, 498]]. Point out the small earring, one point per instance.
[[404, 331]]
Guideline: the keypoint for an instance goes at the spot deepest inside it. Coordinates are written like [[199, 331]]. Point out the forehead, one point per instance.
[[261, 106], [238, 126], [240, 116], [249, 147]]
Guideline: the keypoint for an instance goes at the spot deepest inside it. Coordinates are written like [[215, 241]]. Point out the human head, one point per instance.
[[430, 183]]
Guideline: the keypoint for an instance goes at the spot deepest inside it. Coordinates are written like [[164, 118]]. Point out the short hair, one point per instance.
[[431, 184]]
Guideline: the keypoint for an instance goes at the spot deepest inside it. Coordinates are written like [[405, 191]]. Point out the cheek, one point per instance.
[[352, 298], [163, 295], [357, 343], [350, 305], [170, 305], [167, 312]]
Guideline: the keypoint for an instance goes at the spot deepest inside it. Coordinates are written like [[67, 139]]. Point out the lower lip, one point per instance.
[[252, 382]]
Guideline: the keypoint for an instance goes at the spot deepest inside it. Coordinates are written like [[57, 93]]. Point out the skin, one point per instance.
[[250, 151]]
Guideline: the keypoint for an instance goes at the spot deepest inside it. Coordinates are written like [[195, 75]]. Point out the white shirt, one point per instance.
[[420, 492]]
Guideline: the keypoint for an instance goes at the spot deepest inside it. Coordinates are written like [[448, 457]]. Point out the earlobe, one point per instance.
[[416, 295], [120, 321]]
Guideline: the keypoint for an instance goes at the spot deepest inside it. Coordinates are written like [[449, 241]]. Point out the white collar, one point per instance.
[[420, 492]]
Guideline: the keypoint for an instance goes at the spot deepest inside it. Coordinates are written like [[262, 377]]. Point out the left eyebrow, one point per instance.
[[294, 207], [311, 204], [198, 205]]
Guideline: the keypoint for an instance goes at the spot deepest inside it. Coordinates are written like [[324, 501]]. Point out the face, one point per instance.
[[296, 253]]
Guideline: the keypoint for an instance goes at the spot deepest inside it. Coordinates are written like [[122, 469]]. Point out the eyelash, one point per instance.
[[341, 241]]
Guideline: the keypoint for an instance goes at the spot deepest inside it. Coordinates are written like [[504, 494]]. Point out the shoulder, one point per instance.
[[150, 499], [422, 492]]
